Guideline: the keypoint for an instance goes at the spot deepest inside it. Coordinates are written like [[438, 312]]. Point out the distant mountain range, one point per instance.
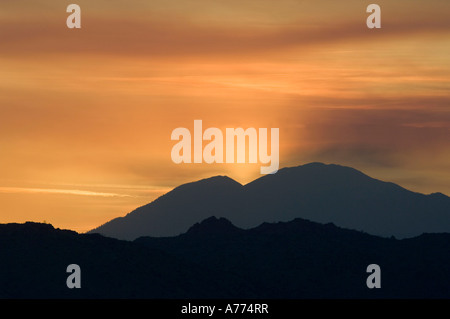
[[215, 259], [316, 192]]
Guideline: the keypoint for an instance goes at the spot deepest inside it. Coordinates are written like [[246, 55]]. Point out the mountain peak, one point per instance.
[[219, 181], [318, 176], [439, 195], [32, 229], [318, 166], [213, 226]]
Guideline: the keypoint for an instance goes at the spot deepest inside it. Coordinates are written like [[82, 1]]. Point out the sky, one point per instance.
[[86, 115]]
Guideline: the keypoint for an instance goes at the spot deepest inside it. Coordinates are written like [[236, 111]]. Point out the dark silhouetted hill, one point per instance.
[[174, 212], [316, 192], [303, 259], [214, 259], [34, 258]]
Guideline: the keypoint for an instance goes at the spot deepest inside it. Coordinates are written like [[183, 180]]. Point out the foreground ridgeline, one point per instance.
[[215, 259]]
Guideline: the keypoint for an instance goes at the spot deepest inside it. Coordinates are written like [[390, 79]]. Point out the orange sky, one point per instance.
[[86, 115]]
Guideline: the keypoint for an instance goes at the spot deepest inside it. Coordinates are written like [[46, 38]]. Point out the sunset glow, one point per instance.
[[86, 115]]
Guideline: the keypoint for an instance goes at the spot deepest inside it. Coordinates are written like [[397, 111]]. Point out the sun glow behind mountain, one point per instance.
[[86, 115]]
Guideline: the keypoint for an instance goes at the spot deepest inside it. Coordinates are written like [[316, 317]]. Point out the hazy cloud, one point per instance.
[[165, 38]]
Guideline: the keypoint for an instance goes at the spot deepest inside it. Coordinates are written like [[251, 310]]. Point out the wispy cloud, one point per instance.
[[167, 37], [22, 190]]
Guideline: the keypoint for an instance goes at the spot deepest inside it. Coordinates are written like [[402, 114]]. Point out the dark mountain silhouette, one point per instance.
[[214, 227], [303, 259], [317, 192], [34, 258], [174, 212], [214, 259]]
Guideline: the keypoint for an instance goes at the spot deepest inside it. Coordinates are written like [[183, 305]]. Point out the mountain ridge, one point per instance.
[[304, 259], [315, 191], [299, 259]]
